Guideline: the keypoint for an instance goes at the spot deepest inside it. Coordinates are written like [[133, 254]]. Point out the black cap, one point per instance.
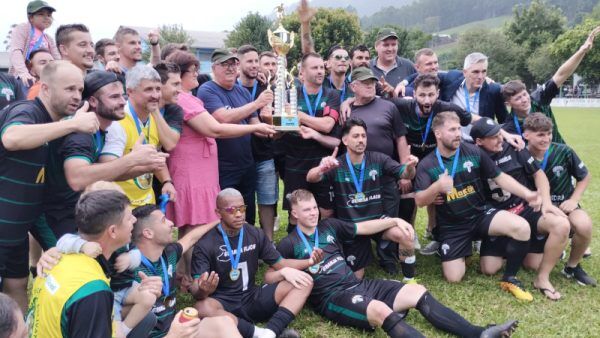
[[484, 127], [96, 80]]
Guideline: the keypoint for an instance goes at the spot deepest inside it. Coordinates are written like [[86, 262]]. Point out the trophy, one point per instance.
[[285, 117]]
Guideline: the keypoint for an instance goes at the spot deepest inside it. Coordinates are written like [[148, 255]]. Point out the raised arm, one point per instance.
[[566, 69], [306, 13]]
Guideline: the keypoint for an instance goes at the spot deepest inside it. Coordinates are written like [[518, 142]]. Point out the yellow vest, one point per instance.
[[73, 278], [139, 189]]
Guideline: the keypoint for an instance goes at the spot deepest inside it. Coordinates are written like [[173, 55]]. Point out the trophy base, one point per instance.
[[286, 123]]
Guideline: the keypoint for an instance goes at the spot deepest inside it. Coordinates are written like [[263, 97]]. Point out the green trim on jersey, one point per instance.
[[346, 312], [9, 125], [84, 291]]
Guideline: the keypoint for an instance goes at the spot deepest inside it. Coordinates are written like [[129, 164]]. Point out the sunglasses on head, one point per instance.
[[340, 57], [234, 210]]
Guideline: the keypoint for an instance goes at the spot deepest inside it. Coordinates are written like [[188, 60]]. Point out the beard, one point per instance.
[[110, 114]]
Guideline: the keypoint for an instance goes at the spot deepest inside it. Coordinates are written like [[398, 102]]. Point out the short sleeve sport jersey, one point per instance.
[[173, 115], [164, 308], [120, 138], [468, 198], [235, 154], [22, 174], [301, 154], [345, 92], [210, 254], [11, 89], [540, 103], [520, 165], [334, 274], [262, 147], [563, 164], [384, 125], [347, 206], [416, 125]]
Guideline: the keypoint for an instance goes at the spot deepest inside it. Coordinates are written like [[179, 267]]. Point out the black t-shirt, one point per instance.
[[59, 198], [119, 280], [416, 125], [262, 147], [563, 164], [164, 309], [210, 254], [91, 316], [384, 125], [301, 154], [350, 208], [22, 174], [335, 274], [173, 115], [468, 199], [345, 92], [11, 89], [518, 164]]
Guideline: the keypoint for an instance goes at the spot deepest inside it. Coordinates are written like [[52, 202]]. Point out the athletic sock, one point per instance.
[[260, 332], [280, 320], [246, 328], [446, 319], [408, 267], [515, 254], [396, 327]]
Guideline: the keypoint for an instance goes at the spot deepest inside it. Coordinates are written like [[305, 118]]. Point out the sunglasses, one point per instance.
[[340, 57], [234, 210]]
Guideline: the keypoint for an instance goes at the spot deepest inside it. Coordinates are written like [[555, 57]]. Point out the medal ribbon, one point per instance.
[[427, 126], [454, 164], [307, 101], [138, 123], [545, 160], [150, 266], [234, 259], [357, 183], [305, 241], [467, 99]]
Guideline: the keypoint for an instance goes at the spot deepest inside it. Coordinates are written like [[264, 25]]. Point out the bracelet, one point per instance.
[[167, 181]]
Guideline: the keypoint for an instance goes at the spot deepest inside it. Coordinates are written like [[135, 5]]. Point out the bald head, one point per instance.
[[62, 85], [226, 194], [57, 69]]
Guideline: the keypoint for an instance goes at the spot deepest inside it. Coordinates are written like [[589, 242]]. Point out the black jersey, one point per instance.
[[173, 115], [520, 165], [467, 200], [345, 92], [22, 174], [210, 254], [416, 124], [348, 205], [262, 147], [335, 274], [164, 308], [563, 164]]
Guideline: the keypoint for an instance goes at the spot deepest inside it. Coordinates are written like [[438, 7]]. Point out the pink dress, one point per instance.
[[194, 168]]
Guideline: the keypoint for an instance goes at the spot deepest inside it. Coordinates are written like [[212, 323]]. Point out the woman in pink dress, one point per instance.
[[193, 163]]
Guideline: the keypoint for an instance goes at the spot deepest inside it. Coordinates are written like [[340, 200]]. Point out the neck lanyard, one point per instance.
[[305, 241], [36, 45], [467, 99], [357, 183], [307, 101], [164, 200], [517, 125], [162, 111], [254, 88], [454, 164], [150, 266], [98, 141], [545, 160], [427, 126], [138, 124], [343, 90], [234, 259]]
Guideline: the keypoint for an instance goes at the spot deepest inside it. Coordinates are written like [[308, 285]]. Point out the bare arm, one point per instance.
[[80, 173], [511, 185], [153, 38], [543, 186], [567, 68], [403, 149], [167, 136], [305, 14], [194, 236], [321, 124], [374, 226], [207, 125]]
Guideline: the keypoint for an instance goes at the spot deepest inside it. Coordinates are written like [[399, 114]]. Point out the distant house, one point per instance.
[[204, 44]]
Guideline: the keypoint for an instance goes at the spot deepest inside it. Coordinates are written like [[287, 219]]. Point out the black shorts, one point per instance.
[[456, 239], [349, 307], [358, 252], [391, 196], [257, 305], [14, 260], [49, 228], [297, 180], [496, 246]]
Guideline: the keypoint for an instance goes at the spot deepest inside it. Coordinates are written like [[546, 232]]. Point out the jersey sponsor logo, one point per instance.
[[459, 194], [224, 256], [41, 176], [557, 170], [354, 199], [468, 165], [357, 299], [51, 285], [373, 174], [445, 248], [557, 198], [505, 159], [331, 263]]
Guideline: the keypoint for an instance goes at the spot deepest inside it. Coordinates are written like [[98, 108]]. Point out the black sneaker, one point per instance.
[[500, 331], [579, 275], [289, 333]]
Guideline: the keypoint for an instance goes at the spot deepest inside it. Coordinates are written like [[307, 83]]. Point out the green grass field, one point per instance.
[[479, 298]]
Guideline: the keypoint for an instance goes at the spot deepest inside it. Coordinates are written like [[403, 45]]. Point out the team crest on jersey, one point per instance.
[[373, 174], [323, 104], [170, 270], [8, 93], [351, 259], [468, 165], [558, 170], [445, 248], [330, 239], [357, 299]]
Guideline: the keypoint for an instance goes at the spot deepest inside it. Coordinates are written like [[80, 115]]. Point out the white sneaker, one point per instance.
[[276, 224], [430, 249], [417, 244]]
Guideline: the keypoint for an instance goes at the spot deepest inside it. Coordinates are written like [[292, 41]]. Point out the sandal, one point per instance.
[[544, 290]]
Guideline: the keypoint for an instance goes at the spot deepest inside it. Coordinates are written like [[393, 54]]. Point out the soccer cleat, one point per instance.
[[514, 286], [410, 280], [289, 333], [417, 244], [500, 331], [430, 249], [580, 276]]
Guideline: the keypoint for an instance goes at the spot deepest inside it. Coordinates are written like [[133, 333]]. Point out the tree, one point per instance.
[[568, 43], [252, 29], [541, 64], [169, 34], [535, 25], [501, 52], [409, 41]]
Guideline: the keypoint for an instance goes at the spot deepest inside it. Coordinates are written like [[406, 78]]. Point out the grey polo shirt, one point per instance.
[[402, 69]]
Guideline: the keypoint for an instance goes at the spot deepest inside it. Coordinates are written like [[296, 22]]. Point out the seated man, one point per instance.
[[549, 221], [341, 297], [224, 266], [451, 177], [359, 199], [561, 164]]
